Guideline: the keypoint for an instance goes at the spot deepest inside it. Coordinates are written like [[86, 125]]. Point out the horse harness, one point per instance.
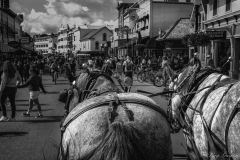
[[113, 102], [209, 134]]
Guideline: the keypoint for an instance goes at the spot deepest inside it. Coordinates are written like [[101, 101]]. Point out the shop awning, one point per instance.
[[181, 27], [143, 41], [153, 44], [6, 48]]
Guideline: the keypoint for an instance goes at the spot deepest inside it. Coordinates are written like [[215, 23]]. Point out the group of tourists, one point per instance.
[[15, 74], [120, 68]]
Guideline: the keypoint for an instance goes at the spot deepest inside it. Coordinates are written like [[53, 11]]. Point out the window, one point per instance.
[[96, 45], [104, 37], [228, 5], [215, 3]]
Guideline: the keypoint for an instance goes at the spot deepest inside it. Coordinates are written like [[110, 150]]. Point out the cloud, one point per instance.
[[101, 22], [57, 13], [62, 12], [18, 7]]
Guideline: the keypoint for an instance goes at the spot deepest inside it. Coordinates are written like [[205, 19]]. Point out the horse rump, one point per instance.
[[122, 141]]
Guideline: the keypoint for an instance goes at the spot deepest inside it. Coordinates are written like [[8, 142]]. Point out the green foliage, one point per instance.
[[140, 47], [196, 39]]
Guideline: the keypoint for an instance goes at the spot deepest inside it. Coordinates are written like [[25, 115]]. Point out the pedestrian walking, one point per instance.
[[107, 68], [128, 67], [119, 69], [168, 73], [20, 69], [35, 83], [8, 89], [73, 68], [26, 68]]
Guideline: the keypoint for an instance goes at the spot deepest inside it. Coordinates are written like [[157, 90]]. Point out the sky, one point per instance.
[[47, 16]]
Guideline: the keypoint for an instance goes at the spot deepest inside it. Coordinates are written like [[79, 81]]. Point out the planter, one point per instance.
[[196, 39]]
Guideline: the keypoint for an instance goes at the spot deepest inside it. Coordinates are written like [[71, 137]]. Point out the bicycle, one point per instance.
[[146, 75], [55, 76], [136, 69], [158, 80]]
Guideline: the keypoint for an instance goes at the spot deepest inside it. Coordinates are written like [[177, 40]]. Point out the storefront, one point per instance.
[[172, 38], [221, 49]]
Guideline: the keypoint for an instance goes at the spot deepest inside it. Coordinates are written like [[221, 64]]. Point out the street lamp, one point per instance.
[[196, 7]]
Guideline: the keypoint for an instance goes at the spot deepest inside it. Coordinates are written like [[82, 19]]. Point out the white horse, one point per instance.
[[210, 115], [114, 126]]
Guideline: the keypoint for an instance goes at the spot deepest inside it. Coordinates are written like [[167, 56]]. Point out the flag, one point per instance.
[[133, 17]]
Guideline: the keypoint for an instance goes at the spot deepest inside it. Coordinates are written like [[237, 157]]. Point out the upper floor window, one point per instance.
[[215, 3], [104, 37], [228, 5], [96, 45]]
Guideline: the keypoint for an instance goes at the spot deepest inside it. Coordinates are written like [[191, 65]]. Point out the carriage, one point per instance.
[[104, 122]]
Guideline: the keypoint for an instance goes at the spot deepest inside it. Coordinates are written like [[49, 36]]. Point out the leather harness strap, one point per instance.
[[211, 120], [233, 114], [96, 105]]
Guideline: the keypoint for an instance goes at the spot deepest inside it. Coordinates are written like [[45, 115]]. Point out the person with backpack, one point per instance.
[[128, 67]]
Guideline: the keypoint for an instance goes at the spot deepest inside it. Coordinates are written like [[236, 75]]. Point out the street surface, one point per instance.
[[38, 139]]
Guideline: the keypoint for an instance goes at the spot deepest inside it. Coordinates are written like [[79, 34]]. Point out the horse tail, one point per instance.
[[69, 75], [121, 142]]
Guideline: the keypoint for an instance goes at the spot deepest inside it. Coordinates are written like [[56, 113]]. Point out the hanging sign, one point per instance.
[[216, 35], [25, 40], [13, 44]]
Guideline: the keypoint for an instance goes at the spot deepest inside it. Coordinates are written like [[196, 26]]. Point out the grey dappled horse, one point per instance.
[[207, 106], [108, 124]]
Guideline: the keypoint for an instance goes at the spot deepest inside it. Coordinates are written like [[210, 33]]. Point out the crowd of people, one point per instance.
[[19, 73], [22, 73]]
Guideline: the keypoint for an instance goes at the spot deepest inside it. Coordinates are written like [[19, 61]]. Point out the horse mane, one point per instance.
[[121, 142]]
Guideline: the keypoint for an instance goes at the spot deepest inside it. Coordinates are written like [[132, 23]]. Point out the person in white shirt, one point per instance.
[[128, 67]]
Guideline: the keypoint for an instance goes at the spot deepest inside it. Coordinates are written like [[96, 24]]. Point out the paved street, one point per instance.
[[177, 139], [33, 139]]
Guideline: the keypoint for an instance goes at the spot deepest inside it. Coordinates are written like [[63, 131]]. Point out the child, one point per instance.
[[34, 83], [128, 81]]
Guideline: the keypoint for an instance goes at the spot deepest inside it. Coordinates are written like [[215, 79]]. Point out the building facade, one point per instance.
[[45, 44], [10, 29], [222, 15], [152, 16], [62, 45], [96, 42]]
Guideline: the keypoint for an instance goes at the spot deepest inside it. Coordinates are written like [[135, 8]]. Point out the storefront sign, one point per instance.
[[13, 44], [24, 40], [215, 35]]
